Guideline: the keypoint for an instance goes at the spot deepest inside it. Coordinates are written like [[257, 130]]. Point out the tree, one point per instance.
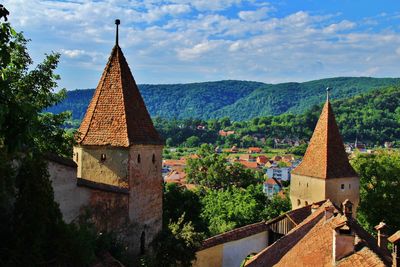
[[180, 201], [227, 209], [192, 141], [379, 189], [214, 171], [32, 231], [176, 245]]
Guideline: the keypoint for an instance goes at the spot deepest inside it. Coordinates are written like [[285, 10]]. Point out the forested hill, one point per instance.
[[239, 100]]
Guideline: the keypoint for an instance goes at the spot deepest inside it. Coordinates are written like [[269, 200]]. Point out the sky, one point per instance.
[[181, 41]]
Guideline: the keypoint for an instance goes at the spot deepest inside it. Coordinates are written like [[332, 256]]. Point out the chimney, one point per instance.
[[328, 212], [382, 235], [343, 240], [395, 240], [314, 207], [347, 207]]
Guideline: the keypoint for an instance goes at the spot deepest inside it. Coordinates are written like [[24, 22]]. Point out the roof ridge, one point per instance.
[[102, 79], [122, 88]]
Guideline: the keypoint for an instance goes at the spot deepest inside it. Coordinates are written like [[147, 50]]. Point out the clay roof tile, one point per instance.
[[117, 114], [325, 156]]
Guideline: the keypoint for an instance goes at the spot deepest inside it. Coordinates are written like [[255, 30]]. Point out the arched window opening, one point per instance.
[[103, 157], [77, 156], [142, 243], [153, 159], [306, 203], [298, 202], [342, 186], [138, 158]]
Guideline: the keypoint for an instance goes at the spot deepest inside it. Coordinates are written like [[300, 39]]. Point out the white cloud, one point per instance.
[[75, 53], [336, 27], [256, 15], [172, 42]]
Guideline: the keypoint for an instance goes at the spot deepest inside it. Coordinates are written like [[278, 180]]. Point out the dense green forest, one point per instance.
[[238, 100], [372, 118]]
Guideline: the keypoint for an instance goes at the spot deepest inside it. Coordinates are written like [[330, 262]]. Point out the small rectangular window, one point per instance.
[[342, 186], [103, 157]]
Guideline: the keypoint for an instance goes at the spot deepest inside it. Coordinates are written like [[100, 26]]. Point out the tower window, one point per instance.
[[153, 159], [306, 203], [138, 158], [77, 156], [349, 186], [307, 184], [103, 157], [342, 187], [298, 202]]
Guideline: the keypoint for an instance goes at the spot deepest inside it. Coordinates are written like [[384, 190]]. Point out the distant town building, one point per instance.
[[234, 149], [282, 173], [262, 159], [225, 133], [271, 187], [252, 150], [247, 157]]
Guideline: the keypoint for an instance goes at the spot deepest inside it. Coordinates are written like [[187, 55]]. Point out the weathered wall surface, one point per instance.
[[231, 253], [145, 200], [236, 251], [351, 191], [210, 257], [70, 197], [306, 189], [111, 171]]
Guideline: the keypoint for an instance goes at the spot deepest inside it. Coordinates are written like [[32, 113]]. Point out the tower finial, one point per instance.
[[327, 93], [117, 22]]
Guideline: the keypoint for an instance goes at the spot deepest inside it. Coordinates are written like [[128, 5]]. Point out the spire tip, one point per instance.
[[327, 93], [117, 22]]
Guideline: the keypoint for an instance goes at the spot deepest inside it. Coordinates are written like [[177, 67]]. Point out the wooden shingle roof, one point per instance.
[[117, 114], [325, 156]]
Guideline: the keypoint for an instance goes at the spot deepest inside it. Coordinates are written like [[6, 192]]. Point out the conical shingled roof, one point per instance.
[[117, 115], [325, 156]]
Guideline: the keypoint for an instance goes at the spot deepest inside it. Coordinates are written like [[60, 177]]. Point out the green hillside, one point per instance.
[[298, 97], [372, 118], [239, 100]]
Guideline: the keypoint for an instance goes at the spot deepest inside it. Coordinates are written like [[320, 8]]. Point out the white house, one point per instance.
[[282, 174]]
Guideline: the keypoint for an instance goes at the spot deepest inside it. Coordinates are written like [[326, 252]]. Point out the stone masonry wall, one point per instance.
[[145, 201]]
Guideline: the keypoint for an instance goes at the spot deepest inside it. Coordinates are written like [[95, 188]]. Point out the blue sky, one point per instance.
[[181, 41]]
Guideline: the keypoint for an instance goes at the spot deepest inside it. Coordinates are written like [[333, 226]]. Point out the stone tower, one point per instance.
[[325, 172], [119, 155]]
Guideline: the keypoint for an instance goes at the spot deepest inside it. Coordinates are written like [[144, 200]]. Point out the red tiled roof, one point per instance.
[[325, 156], [271, 181], [249, 164], [395, 237], [117, 114], [310, 244]]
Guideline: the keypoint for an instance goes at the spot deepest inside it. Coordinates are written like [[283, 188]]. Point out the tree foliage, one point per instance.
[[32, 231], [379, 189], [213, 171]]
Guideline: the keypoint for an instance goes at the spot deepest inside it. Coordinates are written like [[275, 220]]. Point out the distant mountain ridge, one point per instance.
[[239, 100]]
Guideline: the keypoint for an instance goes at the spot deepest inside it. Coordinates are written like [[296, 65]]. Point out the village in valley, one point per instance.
[[275, 164], [211, 174]]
